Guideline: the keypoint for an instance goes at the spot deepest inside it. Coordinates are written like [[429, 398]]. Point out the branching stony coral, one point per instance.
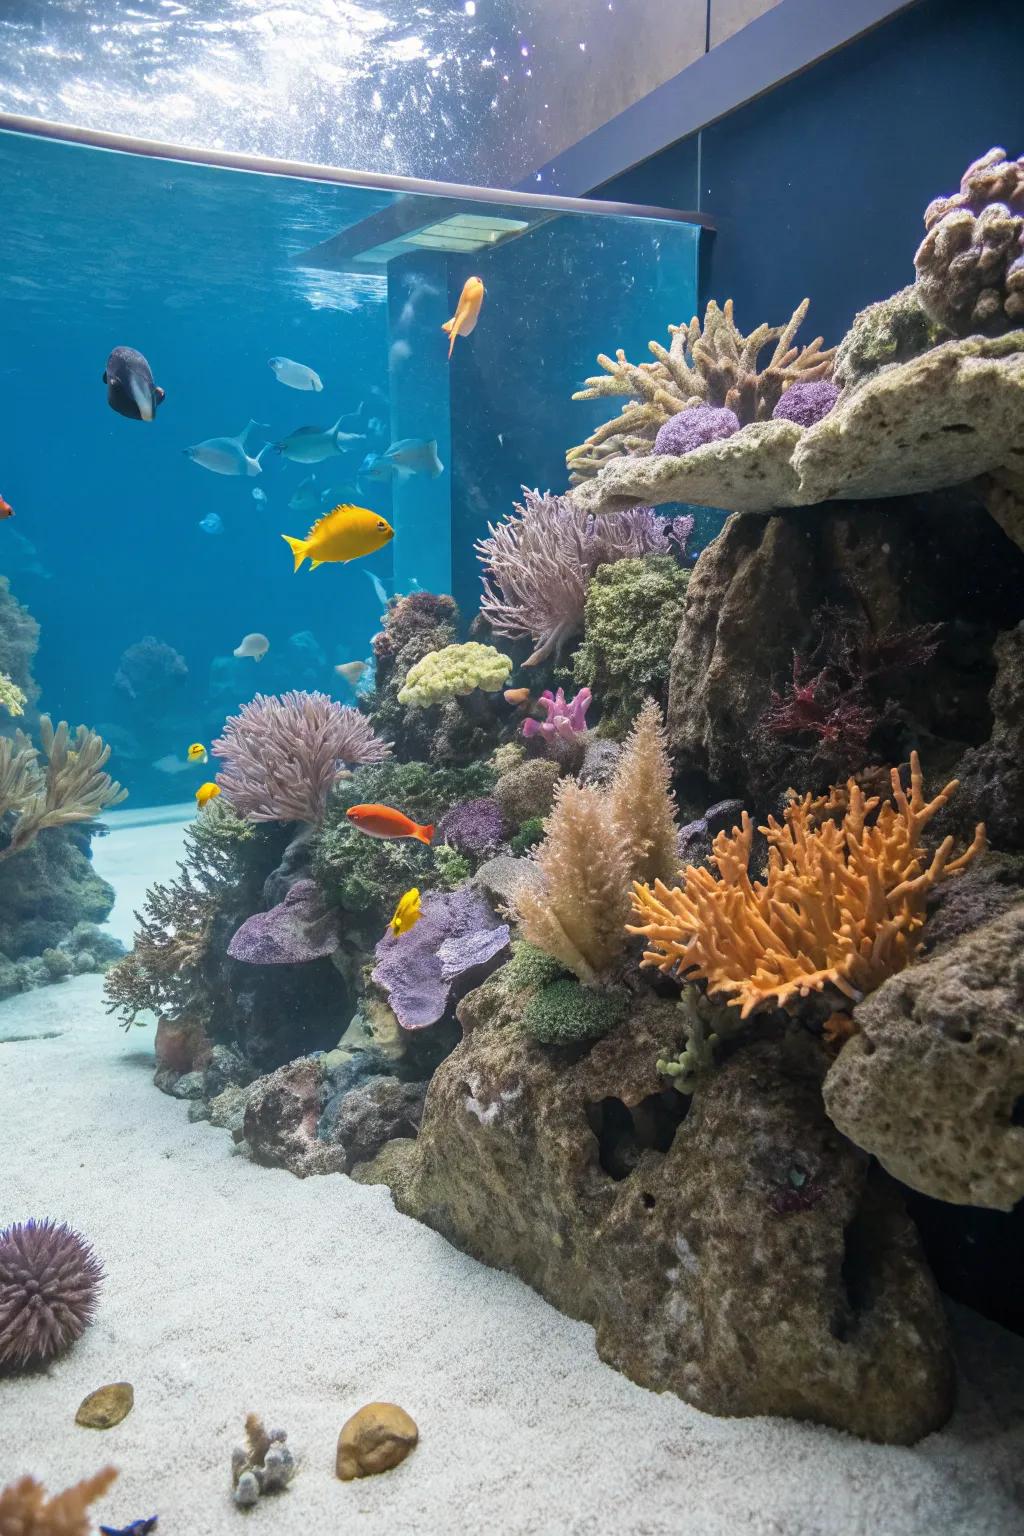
[[970, 265], [842, 903], [538, 561], [72, 787], [282, 753], [713, 364]]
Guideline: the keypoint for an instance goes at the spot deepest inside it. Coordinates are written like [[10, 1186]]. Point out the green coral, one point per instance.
[[455, 672], [366, 875], [452, 867], [527, 790], [893, 331], [631, 618], [529, 969], [565, 1013], [697, 1058], [528, 836], [12, 698]]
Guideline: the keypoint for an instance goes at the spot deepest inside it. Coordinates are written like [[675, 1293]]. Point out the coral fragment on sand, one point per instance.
[[25, 1509], [842, 902], [263, 1465]]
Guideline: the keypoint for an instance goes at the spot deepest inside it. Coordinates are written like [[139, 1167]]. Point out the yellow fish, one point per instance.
[[407, 913], [205, 793], [467, 311], [342, 534], [196, 753]]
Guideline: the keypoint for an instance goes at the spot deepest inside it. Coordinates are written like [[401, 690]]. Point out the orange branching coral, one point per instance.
[[25, 1509], [842, 901]]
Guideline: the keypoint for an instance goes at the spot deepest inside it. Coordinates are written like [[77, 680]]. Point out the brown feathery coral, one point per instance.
[[73, 786], [713, 364], [49, 1279], [641, 801], [970, 264], [25, 1509], [842, 902], [578, 913]]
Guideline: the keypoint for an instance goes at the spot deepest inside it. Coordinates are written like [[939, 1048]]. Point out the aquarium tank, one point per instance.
[[511, 860]]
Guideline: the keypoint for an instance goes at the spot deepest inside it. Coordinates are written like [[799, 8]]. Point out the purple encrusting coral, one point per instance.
[[475, 827], [695, 427], [806, 402], [457, 942], [282, 754], [49, 1280], [297, 930], [537, 564], [565, 718]]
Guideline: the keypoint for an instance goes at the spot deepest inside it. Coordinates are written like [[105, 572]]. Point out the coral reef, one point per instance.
[[710, 365], [933, 1082], [537, 564], [149, 674], [51, 900], [807, 402], [525, 791], [892, 331], [263, 1465], [25, 1509], [712, 1248], [456, 942], [970, 265], [633, 612], [294, 932], [413, 626], [454, 673], [282, 754], [841, 905], [474, 827], [71, 788], [19, 639], [377, 1438], [12, 698], [49, 1281]]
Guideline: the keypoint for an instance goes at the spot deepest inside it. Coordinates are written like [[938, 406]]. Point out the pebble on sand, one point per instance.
[[375, 1439], [106, 1406]]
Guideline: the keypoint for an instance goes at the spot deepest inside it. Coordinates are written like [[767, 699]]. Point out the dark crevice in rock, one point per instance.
[[624, 1134]]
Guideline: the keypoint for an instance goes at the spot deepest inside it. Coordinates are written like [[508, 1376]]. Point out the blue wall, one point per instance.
[[819, 187]]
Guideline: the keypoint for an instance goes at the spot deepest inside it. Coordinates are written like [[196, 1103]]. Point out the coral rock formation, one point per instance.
[[970, 265], [933, 1084], [456, 942], [294, 932]]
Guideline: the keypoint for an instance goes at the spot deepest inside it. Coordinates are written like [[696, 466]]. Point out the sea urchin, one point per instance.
[[49, 1277]]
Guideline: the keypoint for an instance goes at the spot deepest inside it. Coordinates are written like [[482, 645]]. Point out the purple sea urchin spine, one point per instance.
[[49, 1280]]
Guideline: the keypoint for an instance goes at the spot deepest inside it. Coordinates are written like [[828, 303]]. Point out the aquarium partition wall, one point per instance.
[[211, 265]]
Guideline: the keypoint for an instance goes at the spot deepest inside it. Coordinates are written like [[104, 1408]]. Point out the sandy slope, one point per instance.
[[231, 1287]]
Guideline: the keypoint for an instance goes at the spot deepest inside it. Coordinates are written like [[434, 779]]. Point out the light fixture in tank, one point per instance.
[[467, 232]]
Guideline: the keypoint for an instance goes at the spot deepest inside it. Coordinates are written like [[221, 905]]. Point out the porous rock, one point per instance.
[[527, 790], [992, 775], [280, 1121], [363, 1118], [746, 1256], [939, 419], [106, 1406], [377, 1438], [500, 878], [933, 1085]]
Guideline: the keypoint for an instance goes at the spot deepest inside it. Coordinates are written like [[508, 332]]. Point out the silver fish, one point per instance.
[[311, 445], [227, 455], [415, 456], [295, 375]]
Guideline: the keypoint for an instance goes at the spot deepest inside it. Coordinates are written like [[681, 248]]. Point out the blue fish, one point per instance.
[[137, 1528], [211, 523]]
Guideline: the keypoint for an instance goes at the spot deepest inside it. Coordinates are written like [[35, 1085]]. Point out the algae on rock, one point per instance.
[[633, 611]]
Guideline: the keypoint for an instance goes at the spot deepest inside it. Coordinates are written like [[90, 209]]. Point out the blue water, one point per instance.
[[195, 267]]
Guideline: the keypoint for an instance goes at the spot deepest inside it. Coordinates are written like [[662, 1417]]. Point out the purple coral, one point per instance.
[[695, 427], [682, 530], [807, 401], [476, 827], [49, 1280], [457, 942], [537, 564], [297, 930], [565, 718], [282, 754]]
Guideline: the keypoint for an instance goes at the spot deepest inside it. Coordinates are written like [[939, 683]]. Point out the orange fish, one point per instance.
[[467, 311], [517, 695], [383, 821], [6, 510]]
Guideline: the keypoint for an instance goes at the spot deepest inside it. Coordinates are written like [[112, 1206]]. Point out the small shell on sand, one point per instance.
[[106, 1406], [375, 1439]]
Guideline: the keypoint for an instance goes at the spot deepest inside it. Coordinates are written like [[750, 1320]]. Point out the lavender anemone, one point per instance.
[[538, 561], [49, 1279], [282, 754]]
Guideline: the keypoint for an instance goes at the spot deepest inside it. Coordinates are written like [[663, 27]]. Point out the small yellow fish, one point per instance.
[[196, 753], [205, 793], [467, 311], [351, 671], [344, 533], [407, 913]]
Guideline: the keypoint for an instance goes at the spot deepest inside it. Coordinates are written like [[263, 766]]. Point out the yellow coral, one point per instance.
[[842, 902], [455, 672], [12, 698]]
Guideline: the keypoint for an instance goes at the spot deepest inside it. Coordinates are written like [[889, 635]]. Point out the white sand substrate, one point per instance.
[[231, 1287]]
